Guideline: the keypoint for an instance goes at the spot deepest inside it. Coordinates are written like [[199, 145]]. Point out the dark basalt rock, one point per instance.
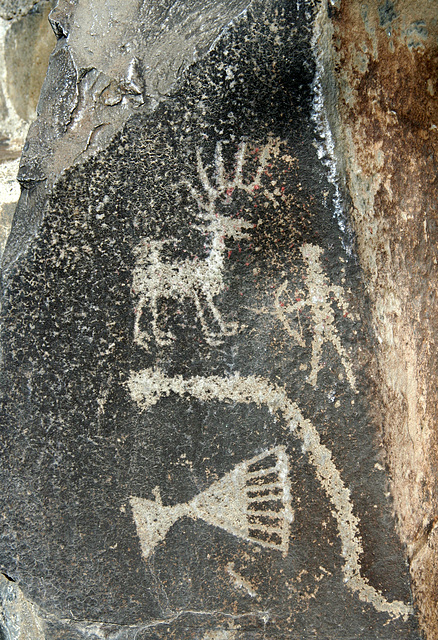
[[189, 448]]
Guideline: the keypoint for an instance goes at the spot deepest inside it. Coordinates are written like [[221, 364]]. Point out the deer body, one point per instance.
[[199, 280]]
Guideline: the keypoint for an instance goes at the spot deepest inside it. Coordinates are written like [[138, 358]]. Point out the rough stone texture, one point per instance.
[[25, 46], [28, 45], [385, 59], [190, 448], [94, 84], [19, 619], [10, 9]]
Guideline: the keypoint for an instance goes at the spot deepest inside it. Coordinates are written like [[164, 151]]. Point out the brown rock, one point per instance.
[[385, 65]]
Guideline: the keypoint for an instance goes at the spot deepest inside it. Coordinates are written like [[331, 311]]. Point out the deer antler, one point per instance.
[[224, 184]]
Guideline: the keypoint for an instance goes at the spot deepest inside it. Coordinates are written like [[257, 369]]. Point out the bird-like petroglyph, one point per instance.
[[149, 386], [252, 501], [156, 277], [319, 299]]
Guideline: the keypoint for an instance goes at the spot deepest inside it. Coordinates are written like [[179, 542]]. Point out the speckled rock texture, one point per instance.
[[383, 59], [10, 9], [190, 447]]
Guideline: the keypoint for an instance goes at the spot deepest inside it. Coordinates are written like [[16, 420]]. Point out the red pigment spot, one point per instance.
[[246, 264], [229, 254], [283, 188], [256, 186], [281, 304], [298, 299], [345, 315], [239, 248], [230, 191]]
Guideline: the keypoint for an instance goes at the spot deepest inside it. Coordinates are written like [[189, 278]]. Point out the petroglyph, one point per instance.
[[320, 295], [147, 387], [282, 310], [253, 502], [156, 277], [220, 634], [239, 581]]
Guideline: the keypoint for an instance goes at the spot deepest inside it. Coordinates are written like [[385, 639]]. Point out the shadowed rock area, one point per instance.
[[383, 59]]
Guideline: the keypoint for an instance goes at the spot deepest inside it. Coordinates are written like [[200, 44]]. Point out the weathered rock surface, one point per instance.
[[10, 9], [110, 59], [385, 61], [25, 45], [190, 447]]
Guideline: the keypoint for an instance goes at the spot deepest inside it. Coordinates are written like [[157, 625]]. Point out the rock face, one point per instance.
[[190, 447], [26, 41], [10, 9], [384, 62]]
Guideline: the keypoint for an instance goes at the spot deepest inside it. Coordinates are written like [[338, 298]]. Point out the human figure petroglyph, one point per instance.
[[320, 294], [200, 280], [149, 386]]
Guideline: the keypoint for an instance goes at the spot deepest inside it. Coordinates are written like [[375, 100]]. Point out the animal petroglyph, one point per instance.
[[251, 502], [320, 294], [200, 280], [147, 387]]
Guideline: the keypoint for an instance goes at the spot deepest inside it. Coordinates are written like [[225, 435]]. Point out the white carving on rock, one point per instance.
[[239, 581], [147, 387], [320, 296], [236, 503], [156, 277]]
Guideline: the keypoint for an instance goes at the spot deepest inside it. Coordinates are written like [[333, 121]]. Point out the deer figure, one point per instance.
[[199, 280]]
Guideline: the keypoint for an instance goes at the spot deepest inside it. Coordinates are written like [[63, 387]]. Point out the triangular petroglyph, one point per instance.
[[253, 502], [149, 386]]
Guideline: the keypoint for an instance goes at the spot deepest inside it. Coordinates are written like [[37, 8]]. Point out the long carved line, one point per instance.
[[148, 386]]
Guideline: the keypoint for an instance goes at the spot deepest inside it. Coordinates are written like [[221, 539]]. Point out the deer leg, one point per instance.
[[210, 337], [163, 338], [140, 337], [227, 328]]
